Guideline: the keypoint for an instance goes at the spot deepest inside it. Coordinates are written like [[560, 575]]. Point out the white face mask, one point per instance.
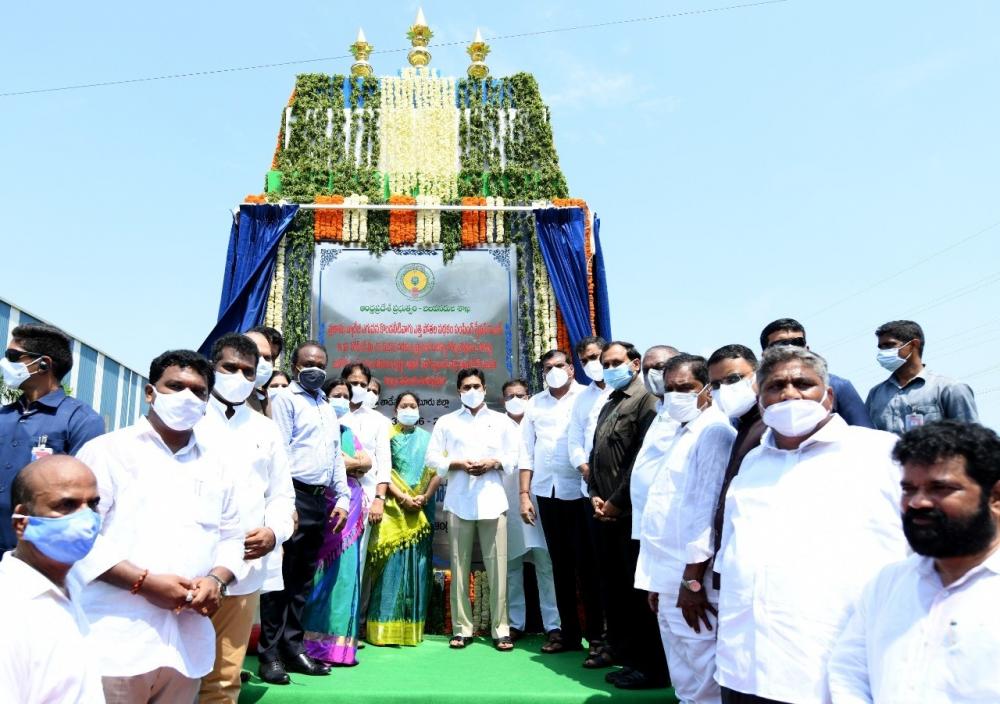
[[556, 378], [180, 410], [890, 359], [15, 373], [735, 399], [654, 382], [594, 369], [264, 371], [516, 406], [682, 406], [358, 393], [473, 398], [371, 400], [796, 417], [408, 416], [273, 391], [234, 388]]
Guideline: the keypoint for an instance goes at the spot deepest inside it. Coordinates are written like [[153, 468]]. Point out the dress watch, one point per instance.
[[223, 587], [692, 585]]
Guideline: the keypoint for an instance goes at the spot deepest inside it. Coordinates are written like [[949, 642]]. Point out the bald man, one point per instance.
[[43, 657], [258, 400]]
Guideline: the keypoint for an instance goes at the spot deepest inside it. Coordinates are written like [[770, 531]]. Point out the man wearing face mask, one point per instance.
[[548, 476], [621, 427], [676, 533], [525, 539], [811, 517], [252, 447], [267, 355], [941, 602], [471, 449], [731, 374], [583, 421], [44, 656], [311, 435], [170, 543], [913, 394], [43, 420]]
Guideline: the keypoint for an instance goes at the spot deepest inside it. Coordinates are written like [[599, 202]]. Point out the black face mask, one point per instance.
[[948, 537], [311, 378]]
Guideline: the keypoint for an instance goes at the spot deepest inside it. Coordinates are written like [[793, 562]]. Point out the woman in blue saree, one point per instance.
[[331, 614], [399, 555]]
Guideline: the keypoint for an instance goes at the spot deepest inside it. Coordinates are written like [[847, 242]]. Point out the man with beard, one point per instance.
[[927, 629]]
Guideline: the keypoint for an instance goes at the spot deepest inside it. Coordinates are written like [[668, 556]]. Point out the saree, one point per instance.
[[399, 555], [330, 618]]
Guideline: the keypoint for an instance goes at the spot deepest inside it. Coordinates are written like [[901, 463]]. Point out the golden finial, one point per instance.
[[477, 51], [361, 50], [419, 35]]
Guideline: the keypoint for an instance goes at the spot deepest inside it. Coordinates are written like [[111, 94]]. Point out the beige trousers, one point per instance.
[[232, 622], [163, 685], [493, 543]]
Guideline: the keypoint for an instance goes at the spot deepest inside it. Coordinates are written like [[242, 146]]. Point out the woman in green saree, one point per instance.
[[399, 554]]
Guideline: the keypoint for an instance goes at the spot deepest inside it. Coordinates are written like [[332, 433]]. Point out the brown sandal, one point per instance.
[[556, 644], [504, 644], [598, 661], [459, 642]]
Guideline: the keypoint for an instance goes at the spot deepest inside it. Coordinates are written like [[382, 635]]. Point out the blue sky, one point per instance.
[[829, 161]]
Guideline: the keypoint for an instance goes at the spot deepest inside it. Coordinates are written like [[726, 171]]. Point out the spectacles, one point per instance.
[[794, 341], [13, 356], [508, 397], [733, 378]]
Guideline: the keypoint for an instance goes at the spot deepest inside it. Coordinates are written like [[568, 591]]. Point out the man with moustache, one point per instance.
[[927, 629], [810, 518]]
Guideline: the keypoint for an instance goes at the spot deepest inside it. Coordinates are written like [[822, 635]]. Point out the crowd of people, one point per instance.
[[744, 528]]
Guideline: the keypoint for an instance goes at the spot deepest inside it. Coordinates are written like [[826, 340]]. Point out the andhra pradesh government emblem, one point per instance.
[[415, 281]]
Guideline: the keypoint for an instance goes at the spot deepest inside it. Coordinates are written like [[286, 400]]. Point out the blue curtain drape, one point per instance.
[[560, 238], [602, 309], [253, 247]]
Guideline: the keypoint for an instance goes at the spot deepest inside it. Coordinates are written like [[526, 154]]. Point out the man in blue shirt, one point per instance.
[[846, 401], [43, 420]]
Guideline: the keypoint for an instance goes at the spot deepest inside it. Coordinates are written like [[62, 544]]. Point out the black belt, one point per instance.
[[308, 488]]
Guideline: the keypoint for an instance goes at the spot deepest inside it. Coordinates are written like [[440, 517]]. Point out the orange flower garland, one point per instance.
[[255, 199], [402, 223], [473, 223], [329, 222], [281, 134], [562, 333], [587, 235]]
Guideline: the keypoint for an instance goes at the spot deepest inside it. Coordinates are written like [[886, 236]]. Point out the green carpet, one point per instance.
[[432, 672]]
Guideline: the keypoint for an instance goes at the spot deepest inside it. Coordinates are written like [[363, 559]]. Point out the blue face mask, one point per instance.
[[65, 539], [618, 377], [340, 405]]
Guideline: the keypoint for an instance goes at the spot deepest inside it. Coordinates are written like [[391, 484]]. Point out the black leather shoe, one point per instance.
[[273, 673], [637, 680], [305, 665], [615, 675]]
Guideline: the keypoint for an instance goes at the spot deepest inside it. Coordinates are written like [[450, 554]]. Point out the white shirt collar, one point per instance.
[[145, 429], [992, 563], [219, 407], [33, 583]]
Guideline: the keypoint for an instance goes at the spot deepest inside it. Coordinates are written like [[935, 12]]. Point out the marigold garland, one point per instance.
[[329, 221], [255, 198], [562, 333], [473, 223], [402, 223]]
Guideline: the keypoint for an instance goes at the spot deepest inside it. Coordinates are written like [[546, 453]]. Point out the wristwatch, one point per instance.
[[223, 587], [692, 585]]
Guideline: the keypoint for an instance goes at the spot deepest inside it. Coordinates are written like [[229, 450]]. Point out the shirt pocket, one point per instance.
[[929, 411], [205, 507]]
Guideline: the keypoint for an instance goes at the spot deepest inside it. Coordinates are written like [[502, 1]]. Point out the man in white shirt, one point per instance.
[[810, 518], [269, 344], [170, 542], [471, 448], [371, 428], [580, 441], [252, 448], [676, 532], [927, 629], [548, 475], [310, 434], [526, 540], [44, 657]]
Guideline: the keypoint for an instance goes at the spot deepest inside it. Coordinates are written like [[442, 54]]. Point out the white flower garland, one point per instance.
[[418, 134], [355, 227], [428, 222], [274, 313]]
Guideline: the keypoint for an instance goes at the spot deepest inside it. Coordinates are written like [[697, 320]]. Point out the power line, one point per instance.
[[501, 37], [911, 267]]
